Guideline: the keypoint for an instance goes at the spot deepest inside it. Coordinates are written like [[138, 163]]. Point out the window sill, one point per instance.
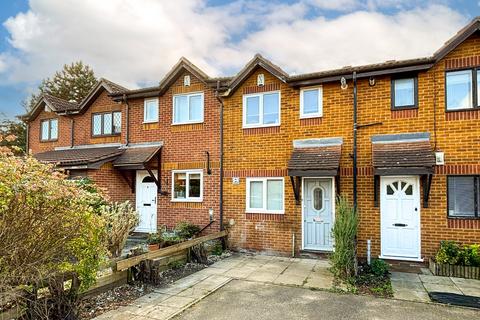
[[261, 126], [186, 200], [186, 123], [55, 140], [311, 116], [264, 212], [149, 122], [463, 218], [404, 108], [462, 110], [107, 135]]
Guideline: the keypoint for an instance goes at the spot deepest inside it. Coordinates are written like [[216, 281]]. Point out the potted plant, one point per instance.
[[153, 241]]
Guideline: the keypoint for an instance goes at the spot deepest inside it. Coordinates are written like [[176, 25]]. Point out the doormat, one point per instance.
[[455, 299]]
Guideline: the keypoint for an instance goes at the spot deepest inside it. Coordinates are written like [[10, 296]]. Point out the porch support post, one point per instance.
[[427, 183], [337, 184], [130, 182], [376, 191], [150, 172], [296, 182]]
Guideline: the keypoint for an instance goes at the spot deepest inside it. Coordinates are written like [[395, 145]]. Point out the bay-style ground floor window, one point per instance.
[[463, 196], [265, 195], [187, 185]]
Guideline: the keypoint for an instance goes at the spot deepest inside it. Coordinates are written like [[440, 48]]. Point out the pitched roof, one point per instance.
[[136, 156], [257, 61], [79, 157], [402, 154], [457, 39], [102, 84]]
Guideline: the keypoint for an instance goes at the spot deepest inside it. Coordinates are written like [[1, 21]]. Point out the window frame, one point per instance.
[[265, 192], [145, 101], [187, 186], [102, 134], [188, 95], [260, 124], [475, 100], [49, 139], [476, 191], [415, 91], [318, 114]]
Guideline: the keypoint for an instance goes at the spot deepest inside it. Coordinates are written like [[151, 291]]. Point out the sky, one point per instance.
[[135, 42]]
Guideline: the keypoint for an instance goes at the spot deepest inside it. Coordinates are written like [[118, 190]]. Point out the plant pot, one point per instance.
[[449, 270], [153, 247]]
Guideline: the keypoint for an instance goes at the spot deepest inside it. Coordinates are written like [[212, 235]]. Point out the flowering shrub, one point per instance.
[[48, 228]]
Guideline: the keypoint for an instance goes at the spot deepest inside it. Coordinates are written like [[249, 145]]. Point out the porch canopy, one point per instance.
[[403, 154], [80, 158], [314, 158]]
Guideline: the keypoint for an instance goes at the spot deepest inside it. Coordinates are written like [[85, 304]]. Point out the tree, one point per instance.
[[72, 83], [17, 132]]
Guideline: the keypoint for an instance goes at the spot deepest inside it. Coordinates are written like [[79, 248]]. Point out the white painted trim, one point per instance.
[[264, 206], [188, 95], [140, 174], [260, 105], [419, 234], [334, 187], [145, 101], [400, 258], [187, 188], [318, 114]]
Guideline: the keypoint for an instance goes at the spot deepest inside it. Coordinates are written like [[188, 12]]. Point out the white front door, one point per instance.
[[400, 217], [146, 202], [318, 207]]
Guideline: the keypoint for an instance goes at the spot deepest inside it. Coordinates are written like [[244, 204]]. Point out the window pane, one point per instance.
[[54, 129], [310, 101], [179, 185], [194, 187], [45, 128], [274, 195], [180, 109], [404, 92], [117, 122], [97, 124], [461, 196], [196, 108], [256, 194], [270, 108], [459, 90], [151, 110], [107, 123], [253, 110]]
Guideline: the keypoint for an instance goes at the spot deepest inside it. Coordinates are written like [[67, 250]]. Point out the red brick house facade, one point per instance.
[[290, 146]]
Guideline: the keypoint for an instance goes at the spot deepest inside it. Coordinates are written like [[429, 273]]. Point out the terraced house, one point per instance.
[[267, 152]]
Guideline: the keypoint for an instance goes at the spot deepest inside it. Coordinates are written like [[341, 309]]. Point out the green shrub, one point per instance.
[[343, 259], [470, 255], [379, 267], [448, 253], [186, 230]]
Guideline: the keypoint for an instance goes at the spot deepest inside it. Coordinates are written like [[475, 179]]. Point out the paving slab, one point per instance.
[[411, 295], [461, 282], [291, 279], [404, 276], [433, 287], [407, 285], [436, 280]]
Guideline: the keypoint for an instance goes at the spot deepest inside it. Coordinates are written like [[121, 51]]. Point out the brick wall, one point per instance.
[[265, 152], [64, 133], [112, 182]]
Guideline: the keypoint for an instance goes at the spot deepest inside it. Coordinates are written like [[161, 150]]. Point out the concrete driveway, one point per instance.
[[242, 299]]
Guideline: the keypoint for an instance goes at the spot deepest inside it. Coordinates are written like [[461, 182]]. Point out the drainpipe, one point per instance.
[[221, 155], [127, 116], [355, 128], [72, 130]]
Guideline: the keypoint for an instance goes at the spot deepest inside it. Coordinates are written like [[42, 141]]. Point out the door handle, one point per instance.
[[400, 225]]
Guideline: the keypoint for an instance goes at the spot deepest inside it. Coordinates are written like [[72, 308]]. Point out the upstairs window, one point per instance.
[[187, 186], [261, 110], [265, 195], [463, 196], [49, 130], [461, 93], [107, 123], [404, 93], [150, 110], [188, 108], [311, 102]]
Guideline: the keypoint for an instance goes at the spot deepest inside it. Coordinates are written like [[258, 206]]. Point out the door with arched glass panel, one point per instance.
[[146, 202], [400, 217], [317, 201]]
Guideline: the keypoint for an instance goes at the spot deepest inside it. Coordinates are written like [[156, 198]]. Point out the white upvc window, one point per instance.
[[265, 195], [261, 109], [150, 110], [187, 185], [188, 108], [311, 102], [49, 130]]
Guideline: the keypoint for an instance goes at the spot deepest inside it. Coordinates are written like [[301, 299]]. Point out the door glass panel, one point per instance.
[[148, 179], [409, 190], [403, 185], [390, 190], [318, 198]]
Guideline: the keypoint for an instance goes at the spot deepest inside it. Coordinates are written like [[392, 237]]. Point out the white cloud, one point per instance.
[[137, 41]]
